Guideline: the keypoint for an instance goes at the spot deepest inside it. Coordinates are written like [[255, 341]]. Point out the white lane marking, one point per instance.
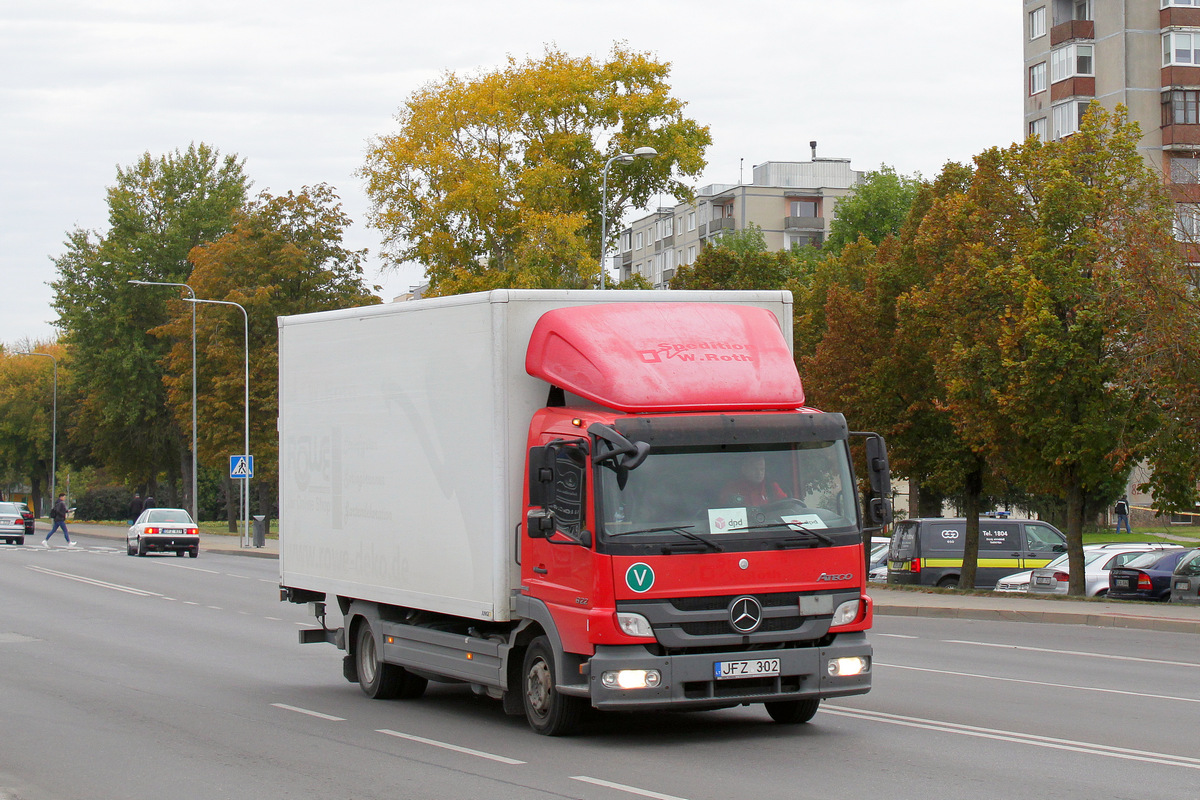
[[233, 575], [309, 712], [215, 608], [1027, 682], [274, 619], [190, 603], [1089, 748], [897, 636], [193, 569], [620, 787], [267, 580], [1108, 656], [93, 582], [448, 746]]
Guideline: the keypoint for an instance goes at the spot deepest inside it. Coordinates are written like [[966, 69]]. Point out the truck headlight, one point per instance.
[[631, 679], [846, 613], [848, 665], [634, 624]]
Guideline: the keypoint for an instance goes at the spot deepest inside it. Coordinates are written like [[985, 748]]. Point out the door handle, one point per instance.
[[541, 570]]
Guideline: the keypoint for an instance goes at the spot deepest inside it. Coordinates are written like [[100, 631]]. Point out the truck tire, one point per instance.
[[381, 681], [793, 712], [548, 712]]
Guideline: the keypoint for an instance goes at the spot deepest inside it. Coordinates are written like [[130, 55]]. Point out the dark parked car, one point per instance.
[[1147, 577], [1185, 583]]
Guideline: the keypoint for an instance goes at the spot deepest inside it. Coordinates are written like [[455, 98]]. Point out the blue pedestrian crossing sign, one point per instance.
[[241, 466]]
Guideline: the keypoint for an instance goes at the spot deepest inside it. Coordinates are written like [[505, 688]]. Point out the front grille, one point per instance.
[[719, 627], [741, 687], [720, 603]]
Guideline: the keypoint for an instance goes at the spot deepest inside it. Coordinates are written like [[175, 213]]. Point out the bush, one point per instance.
[[104, 503]]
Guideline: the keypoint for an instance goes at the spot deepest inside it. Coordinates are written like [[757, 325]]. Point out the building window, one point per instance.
[[802, 208], [691, 221], [691, 257], [1185, 170], [667, 226], [1180, 107], [1067, 117], [1069, 61], [1038, 128], [1082, 9], [1181, 48], [640, 240], [1037, 78], [1187, 223], [1189, 3], [1037, 23], [626, 241]]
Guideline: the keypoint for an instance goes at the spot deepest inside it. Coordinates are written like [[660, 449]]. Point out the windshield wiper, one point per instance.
[[683, 530], [790, 526]]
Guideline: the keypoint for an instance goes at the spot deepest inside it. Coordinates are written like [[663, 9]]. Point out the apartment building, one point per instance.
[[1144, 54], [792, 201]]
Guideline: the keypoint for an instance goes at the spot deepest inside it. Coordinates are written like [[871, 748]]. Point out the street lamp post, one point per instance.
[[624, 158], [245, 481], [53, 426], [195, 496]]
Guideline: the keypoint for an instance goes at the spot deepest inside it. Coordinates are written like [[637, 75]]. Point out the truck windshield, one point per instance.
[[799, 494]]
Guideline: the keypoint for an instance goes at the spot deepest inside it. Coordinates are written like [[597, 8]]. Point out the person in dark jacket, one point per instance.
[[58, 516], [135, 508], [149, 502], [1122, 512]]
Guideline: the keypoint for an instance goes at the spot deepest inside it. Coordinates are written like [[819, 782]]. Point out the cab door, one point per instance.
[[557, 556]]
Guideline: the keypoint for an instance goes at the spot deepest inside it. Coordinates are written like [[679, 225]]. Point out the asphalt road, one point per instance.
[[165, 677]]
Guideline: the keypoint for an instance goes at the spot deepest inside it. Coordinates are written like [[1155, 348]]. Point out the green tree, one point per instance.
[[283, 256], [875, 209], [159, 209], [496, 179], [739, 260]]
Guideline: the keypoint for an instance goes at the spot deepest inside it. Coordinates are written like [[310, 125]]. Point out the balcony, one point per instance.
[[723, 224], [804, 223], [1072, 29]]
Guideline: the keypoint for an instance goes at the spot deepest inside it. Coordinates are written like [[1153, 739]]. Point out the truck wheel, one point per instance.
[[381, 681], [949, 582], [548, 712], [793, 712]]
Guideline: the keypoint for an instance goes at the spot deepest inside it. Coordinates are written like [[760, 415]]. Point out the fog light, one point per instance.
[[631, 679], [846, 613], [634, 624], [848, 666]]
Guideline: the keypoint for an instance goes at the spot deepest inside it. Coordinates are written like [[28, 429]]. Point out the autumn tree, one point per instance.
[[495, 180], [1053, 257], [284, 255], [27, 406], [159, 209]]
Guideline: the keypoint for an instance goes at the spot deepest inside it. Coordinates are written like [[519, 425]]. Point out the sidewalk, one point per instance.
[[209, 542], [1016, 607]]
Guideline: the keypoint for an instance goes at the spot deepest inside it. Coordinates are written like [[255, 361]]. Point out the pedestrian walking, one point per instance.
[[135, 508], [149, 502], [1122, 512], [58, 518]]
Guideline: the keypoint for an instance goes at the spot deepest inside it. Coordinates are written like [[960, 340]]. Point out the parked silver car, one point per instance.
[[1185, 583], [1098, 559]]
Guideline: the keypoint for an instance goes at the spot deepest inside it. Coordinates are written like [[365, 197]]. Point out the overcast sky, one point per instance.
[[297, 89]]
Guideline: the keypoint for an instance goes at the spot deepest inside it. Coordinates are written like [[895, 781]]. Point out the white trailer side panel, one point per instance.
[[402, 432]]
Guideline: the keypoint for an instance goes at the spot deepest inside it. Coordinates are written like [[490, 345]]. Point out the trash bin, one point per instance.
[[260, 531]]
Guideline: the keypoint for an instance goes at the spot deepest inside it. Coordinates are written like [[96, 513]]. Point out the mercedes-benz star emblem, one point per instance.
[[745, 614]]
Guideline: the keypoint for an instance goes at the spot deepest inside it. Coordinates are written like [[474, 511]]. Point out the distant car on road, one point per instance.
[[12, 523], [877, 563], [163, 530], [1147, 577], [1098, 560], [1185, 582]]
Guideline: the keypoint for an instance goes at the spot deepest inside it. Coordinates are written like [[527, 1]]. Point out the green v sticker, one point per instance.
[[639, 577]]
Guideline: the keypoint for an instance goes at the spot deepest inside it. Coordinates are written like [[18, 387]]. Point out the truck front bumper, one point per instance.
[[689, 681]]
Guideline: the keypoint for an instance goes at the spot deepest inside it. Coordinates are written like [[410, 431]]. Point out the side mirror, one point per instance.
[[541, 475], [877, 466], [881, 510], [539, 524]]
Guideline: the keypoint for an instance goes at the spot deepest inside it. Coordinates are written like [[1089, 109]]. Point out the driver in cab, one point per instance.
[[751, 487]]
